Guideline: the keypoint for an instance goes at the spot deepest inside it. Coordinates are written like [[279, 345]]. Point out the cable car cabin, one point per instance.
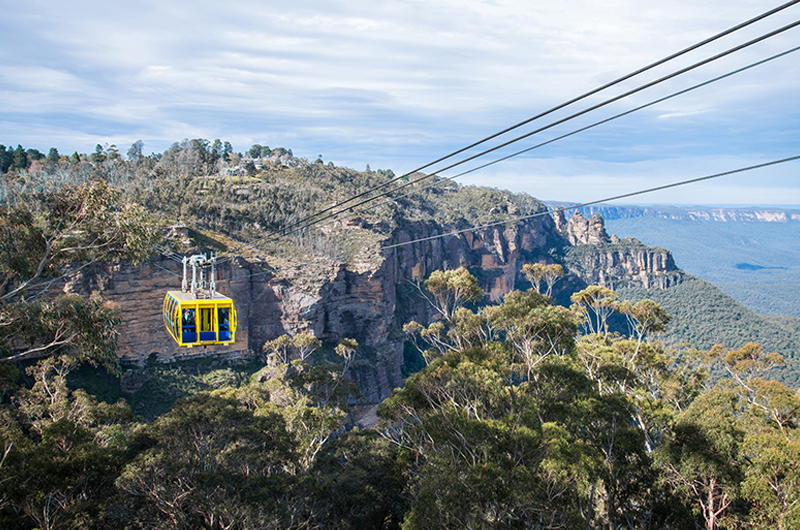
[[199, 321]]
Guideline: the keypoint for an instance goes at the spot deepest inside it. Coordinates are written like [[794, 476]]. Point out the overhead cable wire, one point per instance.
[[552, 124], [608, 199], [539, 214], [572, 133], [592, 92]]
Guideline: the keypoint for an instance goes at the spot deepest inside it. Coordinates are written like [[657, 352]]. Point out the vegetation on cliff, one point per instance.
[[526, 413]]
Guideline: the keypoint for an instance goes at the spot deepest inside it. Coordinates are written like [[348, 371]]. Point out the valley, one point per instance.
[[751, 254]]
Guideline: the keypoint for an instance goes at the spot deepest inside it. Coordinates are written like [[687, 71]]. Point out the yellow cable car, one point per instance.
[[200, 316], [199, 321]]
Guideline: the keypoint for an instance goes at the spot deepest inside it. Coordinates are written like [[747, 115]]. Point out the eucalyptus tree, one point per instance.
[[53, 236]]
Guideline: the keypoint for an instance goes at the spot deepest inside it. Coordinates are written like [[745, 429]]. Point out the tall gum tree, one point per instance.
[[48, 237]]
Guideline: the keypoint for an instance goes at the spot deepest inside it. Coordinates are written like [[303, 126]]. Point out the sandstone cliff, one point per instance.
[[694, 213], [360, 299], [611, 262]]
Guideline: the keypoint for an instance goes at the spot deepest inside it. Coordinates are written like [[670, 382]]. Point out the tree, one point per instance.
[[702, 458], [355, 484], [135, 152], [48, 237], [540, 272], [254, 151], [6, 158], [20, 159], [447, 292], [216, 151], [450, 290], [278, 349], [311, 399], [346, 349], [63, 450], [771, 443], [306, 344], [216, 460], [99, 154], [645, 317], [483, 452], [772, 478], [534, 327], [595, 304], [52, 155], [34, 154]]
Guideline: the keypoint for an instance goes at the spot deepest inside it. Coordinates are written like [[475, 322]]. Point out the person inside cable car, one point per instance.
[[223, 316], [189, 325]]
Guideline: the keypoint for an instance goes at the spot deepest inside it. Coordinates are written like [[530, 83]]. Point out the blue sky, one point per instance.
[[398, 84]]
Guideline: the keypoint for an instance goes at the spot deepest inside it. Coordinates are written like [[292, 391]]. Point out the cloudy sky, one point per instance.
[[397, 84]]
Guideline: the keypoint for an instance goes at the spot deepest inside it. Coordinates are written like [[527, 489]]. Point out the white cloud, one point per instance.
[[393, 84]]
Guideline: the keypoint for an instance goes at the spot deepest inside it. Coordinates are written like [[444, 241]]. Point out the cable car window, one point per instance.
[[189, 325], [223, 317], [207, 324]]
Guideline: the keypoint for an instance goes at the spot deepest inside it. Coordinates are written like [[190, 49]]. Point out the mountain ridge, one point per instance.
[[687, 213]]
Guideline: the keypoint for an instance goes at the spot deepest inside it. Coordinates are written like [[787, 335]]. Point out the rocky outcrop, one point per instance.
[[611, 262], [581, 231]]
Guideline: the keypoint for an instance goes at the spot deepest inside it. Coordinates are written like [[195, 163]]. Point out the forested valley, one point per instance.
[[523, 414]]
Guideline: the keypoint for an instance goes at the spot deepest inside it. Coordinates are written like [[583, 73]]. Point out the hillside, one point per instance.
[[519, 410], [331, 279], [703, 315]]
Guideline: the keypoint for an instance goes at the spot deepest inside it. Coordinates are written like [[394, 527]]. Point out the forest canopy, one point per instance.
[[524, 414]]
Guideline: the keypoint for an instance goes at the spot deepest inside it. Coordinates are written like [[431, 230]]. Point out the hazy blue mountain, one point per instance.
[[752, 254]]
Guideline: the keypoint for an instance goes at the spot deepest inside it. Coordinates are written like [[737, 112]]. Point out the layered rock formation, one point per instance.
[[608, 261], [360, 299], [694, 213]]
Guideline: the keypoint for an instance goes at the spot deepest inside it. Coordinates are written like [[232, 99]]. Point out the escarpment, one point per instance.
[[598, 259], [370, 300]]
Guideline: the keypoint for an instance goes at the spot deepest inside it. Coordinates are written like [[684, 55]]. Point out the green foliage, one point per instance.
[[534, 327], [83, 327], [209, 454], [48, 236], [452, 289], [702, 457], [471, 438], [594, 304], [313, 402], [62, 450], [703, 316], [536, 273], [161, 385], [357, 484]]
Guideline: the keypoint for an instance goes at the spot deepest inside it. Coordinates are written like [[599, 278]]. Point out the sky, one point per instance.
[[396, 85]]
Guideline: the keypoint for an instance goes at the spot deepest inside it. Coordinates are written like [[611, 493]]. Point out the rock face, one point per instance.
[[582, 231], [608, 261], [369, 300]]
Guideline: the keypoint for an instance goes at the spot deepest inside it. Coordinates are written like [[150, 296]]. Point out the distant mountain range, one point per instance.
[[752, 254], [688, 213]]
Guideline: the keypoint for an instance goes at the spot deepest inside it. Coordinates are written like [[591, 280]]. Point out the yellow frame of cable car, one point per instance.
[[194, 321]]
